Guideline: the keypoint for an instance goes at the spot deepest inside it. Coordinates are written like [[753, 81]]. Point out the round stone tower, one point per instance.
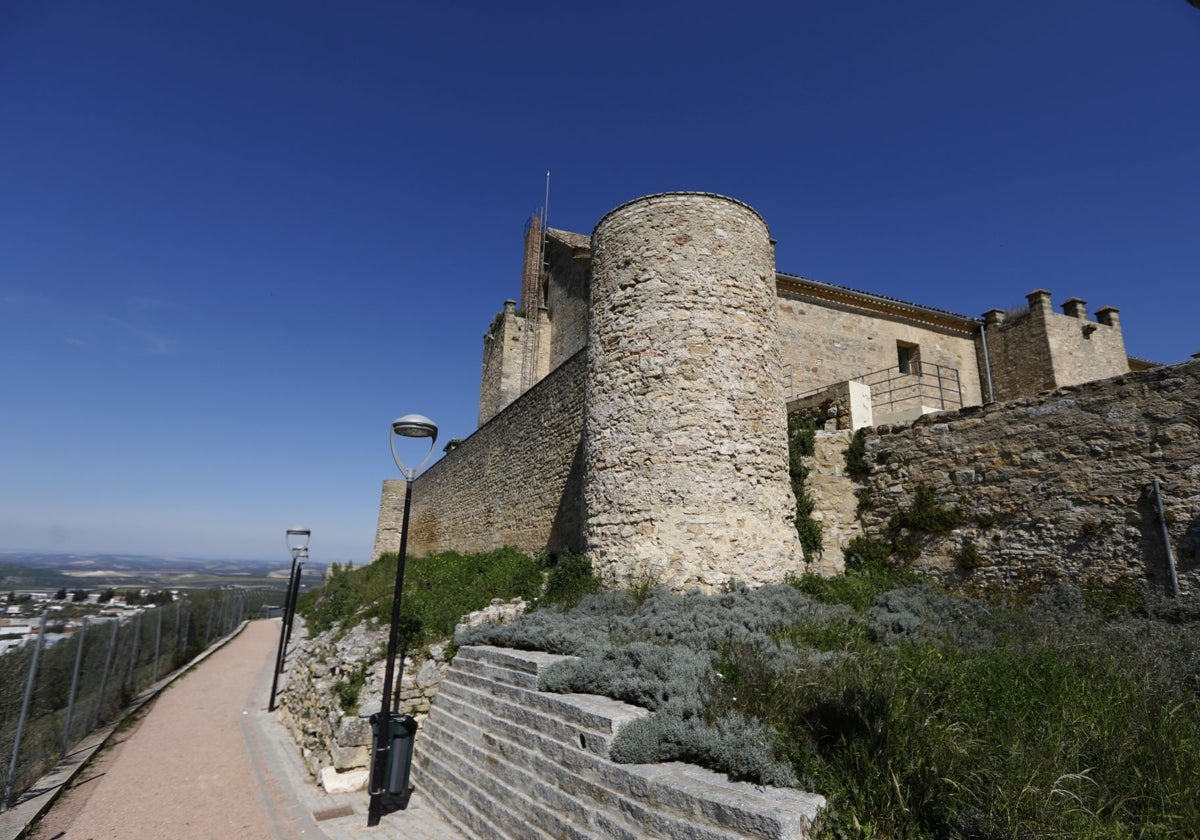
[[685, 431]]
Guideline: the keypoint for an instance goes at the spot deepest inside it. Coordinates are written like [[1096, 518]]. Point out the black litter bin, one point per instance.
[[401, 731]]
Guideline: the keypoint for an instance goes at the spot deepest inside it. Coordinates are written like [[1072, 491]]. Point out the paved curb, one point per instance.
[[16, 821]]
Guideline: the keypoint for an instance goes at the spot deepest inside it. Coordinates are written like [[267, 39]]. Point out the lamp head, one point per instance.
[[415, 426], [297, 537], [412, 426]]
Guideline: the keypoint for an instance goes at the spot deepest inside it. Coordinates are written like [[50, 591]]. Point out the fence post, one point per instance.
[[108, 658], [941, 392], [208, 631], [66, 745], [12, 765], [184, 615], [157, 642], [133, 655]]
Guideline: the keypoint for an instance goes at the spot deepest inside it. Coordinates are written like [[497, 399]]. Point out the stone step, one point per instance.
[[491, 739], [521, 669], [667, 793], [515, 667], [680, 790], [513, 796], [591, 719], [487, 810], [600, 809]]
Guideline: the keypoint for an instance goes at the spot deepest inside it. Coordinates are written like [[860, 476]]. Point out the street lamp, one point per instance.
[[389, 772], [297, 543]]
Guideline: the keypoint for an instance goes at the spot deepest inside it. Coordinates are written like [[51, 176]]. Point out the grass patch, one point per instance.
[[868, 575], [438, 591], [441, 588], [348, 689]]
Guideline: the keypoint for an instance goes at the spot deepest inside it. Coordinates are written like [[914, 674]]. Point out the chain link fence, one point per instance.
[[57, 689]]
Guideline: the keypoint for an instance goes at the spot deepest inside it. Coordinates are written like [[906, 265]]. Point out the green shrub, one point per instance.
[[968, 557], [438, 591], [569, 579], [926, 516], [856, 456], [909, 528], [865, 554], [347, 690], [802, 436]]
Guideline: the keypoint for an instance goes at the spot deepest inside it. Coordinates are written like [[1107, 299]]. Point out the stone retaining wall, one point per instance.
[[1056, 485]]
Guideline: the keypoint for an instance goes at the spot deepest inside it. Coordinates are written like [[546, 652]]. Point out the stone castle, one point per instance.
[[633, 405]]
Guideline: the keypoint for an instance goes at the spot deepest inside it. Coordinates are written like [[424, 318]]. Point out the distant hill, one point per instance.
[[30, 570]]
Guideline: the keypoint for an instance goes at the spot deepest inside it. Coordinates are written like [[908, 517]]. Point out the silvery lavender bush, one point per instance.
[[661, 655], [924, 612]]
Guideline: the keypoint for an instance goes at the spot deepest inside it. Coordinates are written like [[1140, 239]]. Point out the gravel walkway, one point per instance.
[[208, 761]]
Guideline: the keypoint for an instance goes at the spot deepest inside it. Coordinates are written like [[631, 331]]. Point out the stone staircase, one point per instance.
[[499, 759]]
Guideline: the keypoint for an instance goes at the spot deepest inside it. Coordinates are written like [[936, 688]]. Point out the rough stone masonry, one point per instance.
[[684, 433]]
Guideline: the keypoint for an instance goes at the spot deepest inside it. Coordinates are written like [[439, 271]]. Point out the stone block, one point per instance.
[[353, 731], [349, 757], [351, 781]]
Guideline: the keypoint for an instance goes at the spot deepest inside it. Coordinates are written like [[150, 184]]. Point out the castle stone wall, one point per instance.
[[825, 342], [567, 293], [515, 481], [685, 428], [503, 359], [1039, 349], [391, 518], [1056, 485]]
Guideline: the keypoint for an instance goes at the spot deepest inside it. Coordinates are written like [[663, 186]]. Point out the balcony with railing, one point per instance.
[[891, 395]]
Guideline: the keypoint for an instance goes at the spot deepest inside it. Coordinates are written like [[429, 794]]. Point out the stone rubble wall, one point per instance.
[[336, 744], [330, 738], [835, 501], [1054, 486]]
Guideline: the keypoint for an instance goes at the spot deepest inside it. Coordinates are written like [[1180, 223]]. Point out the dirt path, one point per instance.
[[183, 768]]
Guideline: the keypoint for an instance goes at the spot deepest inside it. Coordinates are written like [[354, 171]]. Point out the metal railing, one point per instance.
[[924, 384], [894, 389]]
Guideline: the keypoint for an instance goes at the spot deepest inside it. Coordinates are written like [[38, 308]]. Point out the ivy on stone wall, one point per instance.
[[924, 517], [856, 456], [802, 436]]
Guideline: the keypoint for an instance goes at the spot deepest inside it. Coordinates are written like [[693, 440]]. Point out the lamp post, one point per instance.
[[383, 762], [297, 543]]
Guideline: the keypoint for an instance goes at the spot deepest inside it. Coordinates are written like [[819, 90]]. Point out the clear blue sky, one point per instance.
[[237, 239]]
